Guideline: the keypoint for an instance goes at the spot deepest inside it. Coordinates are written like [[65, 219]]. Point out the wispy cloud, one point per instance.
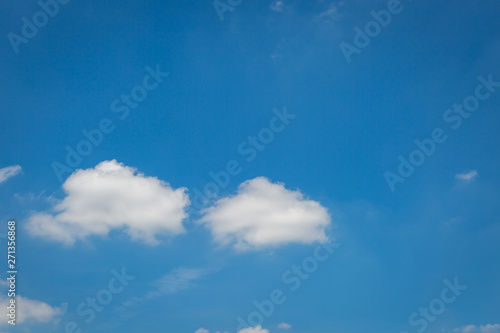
[[8, 172], [467, 176], [331, 13], [177, 280], [30, 197], [277, 6], [278, 51], [488, 328], [284, 326], [3, 282], [204, 330], [170, 283]]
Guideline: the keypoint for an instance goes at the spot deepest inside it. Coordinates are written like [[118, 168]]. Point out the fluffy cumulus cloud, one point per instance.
[[201, 330], [488, 328], [467, 176], [256, 329], [10, 171], [265, 214], [32, 311], [113, 196]]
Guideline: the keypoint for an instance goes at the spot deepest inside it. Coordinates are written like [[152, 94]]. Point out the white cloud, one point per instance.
[[488, 328], [10, 171], [467, 176], [278, 51], [4, 282], [113, 196], [277, 6], [170, 283], [284, 326], [256, 329], [266, 214], [331, 13], [178, 279], [201, 330], [31, 311]]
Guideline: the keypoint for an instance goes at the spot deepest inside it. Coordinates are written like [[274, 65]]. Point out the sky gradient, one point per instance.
[[251, 167]]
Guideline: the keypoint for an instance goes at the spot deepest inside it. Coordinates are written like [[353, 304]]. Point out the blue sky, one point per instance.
[[314, 150]]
